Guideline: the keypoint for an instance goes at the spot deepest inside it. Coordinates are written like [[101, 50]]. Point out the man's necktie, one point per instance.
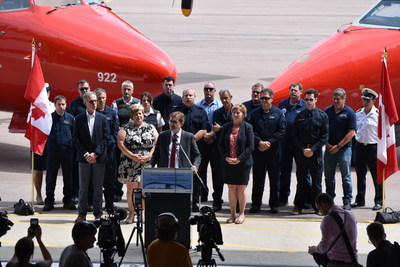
[[173, 151]]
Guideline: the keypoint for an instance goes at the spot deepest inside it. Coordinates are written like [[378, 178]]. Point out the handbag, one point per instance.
[[387, 216], [22, 208], [321, 259]]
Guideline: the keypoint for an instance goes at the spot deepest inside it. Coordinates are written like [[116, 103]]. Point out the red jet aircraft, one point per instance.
[[349, 59], [75, 39]]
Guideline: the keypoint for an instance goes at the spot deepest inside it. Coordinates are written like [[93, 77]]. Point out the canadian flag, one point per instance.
[[39, 118], [387, 156]]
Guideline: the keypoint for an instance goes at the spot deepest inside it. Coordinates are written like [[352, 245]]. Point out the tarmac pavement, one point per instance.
[[235, 44]]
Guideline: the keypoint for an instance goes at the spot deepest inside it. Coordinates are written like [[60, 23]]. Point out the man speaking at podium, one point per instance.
[[168, 152]]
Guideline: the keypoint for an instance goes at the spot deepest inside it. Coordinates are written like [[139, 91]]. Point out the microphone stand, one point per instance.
[[194, 168]]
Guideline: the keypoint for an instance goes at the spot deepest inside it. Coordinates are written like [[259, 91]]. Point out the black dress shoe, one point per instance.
[[69, 206], [377, 207], [254, 209], [283, 203], [273, 210], [216, 207], [48, 207], [357, 204]]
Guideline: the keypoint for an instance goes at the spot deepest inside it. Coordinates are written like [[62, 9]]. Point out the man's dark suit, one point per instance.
[[187, 142], [86, 144]]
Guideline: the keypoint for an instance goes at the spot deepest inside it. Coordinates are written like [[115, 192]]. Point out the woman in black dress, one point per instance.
[[236, 145]]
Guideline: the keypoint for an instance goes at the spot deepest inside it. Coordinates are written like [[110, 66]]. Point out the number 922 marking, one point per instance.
[[107, 77]]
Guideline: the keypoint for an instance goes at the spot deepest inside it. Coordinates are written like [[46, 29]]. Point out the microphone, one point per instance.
[[175, 140]]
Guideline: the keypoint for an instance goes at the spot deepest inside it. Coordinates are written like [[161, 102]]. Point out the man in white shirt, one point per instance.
[[366, 148]]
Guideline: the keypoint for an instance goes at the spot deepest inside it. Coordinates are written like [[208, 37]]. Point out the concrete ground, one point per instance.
[[235, 44]]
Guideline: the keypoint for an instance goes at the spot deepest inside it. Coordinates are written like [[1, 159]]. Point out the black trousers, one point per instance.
[[56, 157], [366, 157], [266, 161], [210, 154], [314, 166]]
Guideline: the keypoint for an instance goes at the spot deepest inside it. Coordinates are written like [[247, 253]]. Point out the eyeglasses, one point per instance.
[[256, 92], [92, 101], [209, 89], [84, 88], [309, 99], [173, 122], [265, 98]]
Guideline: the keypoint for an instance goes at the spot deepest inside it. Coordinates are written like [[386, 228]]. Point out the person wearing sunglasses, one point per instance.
[[75, 108], [255, 101], [269, 127], [209, 149], [91, 136], [310, 134]]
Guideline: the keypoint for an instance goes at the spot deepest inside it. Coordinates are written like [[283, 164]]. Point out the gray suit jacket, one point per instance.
[[187, 142]]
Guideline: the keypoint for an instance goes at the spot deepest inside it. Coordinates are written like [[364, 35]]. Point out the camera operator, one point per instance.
[[24, 250], [165, 251], [84, 236]]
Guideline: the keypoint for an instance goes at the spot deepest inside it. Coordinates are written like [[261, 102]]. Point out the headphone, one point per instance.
[[166, 222]]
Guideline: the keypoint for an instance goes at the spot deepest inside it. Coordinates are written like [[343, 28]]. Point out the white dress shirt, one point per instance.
[[367, 126], [90, 120]]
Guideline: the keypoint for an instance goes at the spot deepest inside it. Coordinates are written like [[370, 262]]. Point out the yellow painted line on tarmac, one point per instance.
[[259, 248]]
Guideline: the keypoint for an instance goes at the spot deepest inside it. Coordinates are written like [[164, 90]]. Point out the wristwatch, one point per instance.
[[339, 146]]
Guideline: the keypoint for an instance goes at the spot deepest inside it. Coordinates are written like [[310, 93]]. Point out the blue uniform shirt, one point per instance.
[[61, 131], [221, 117], [216, 104], [76, 107], [166, 105], [268, 126], [195, 118], [340, 123], [113, 123], [290, 112], [250, 108]]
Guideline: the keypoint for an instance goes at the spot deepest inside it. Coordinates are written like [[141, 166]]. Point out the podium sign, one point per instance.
[[167, 190], [167, 180]]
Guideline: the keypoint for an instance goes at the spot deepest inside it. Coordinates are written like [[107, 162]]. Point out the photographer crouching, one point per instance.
[[165, 251]]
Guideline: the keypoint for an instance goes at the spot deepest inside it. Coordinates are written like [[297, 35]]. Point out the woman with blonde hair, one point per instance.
[[136, 140], [236, 145]]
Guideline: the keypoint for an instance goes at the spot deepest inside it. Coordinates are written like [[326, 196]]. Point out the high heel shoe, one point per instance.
[[39, 201], [129, 220]]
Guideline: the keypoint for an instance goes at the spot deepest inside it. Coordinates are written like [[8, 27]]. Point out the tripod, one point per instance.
[[108, 255], [139, 234], [206, 255]]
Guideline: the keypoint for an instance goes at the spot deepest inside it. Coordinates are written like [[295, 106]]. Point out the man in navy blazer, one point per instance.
[[91, 137]]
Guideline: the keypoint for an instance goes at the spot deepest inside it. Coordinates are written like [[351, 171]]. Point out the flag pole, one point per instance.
[[384, 57], [33, 153], [33, 179]]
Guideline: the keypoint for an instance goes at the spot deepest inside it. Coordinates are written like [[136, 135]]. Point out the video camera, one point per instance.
[[208, 226], [110, 234], [5, 223]]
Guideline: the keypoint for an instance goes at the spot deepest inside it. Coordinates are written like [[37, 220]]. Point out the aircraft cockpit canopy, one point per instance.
[[385, 14]]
